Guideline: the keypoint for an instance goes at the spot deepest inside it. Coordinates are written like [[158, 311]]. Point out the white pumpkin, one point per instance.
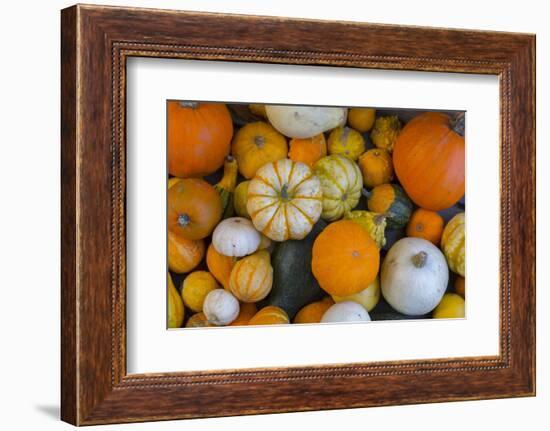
[[346, 311], [220, 307], [284, 200], [305, 121], [236, 237], [368, 297], [414, 276]]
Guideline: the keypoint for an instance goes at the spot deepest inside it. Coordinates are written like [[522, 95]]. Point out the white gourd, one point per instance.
[[346, 311], [220, 307], [236, 236]]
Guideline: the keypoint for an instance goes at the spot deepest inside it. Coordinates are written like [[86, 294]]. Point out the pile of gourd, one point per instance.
[[311, 214]]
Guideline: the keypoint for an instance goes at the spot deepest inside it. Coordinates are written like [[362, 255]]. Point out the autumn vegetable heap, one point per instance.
[[306, 214]]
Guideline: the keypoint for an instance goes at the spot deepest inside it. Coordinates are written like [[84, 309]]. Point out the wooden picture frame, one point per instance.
[[95, 43]]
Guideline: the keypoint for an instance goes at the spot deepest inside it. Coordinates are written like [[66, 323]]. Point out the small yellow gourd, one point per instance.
[[346, 141], [195, 287], [453, 243], [361, 119], [452, 306]]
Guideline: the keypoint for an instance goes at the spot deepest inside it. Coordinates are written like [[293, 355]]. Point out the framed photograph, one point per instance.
[[285, 220]]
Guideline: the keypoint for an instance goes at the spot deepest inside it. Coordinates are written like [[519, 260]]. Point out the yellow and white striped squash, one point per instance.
[[284, 200], [252, 277], [341, 182], [453, 243]]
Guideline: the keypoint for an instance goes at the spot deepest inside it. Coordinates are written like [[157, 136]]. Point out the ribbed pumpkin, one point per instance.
[[391, 201], [346, 141], [425, 224], [256, 144], [345, 259], [246, 312], [376, 166], [226, 186], [385, 131], [252, 277], [453, 243], [361, 119], [199, 137], [284, 200], [374, 223], [341, 183], [429, 160], [313, 312], [270, 315], [308, 150], [194, 208], [220, 266], [184, 254]]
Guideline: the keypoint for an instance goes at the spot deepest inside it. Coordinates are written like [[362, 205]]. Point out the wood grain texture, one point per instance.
[[96, 41]]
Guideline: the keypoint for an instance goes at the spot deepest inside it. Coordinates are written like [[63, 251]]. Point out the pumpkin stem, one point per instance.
[[458, 123], [284, 193], [419, 259], [259, 141], [187, 104], [183, 220]]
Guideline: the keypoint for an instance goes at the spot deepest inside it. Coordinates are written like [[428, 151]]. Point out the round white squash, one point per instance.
[[220, 307], [305, 121], [414, 276], [236, 236], [346, 311], [368, 297]]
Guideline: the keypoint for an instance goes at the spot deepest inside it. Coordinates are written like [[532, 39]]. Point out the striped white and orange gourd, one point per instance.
[[252, 277]]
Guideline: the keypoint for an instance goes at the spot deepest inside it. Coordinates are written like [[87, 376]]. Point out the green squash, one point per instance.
[[391, 201], [293, 283]]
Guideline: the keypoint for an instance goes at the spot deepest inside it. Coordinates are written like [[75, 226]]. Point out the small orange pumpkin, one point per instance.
[[429, 160], [246, 312], [270, 315], [376, 167], [256, 144], [308, 150], [313, 312], [184, 254], [199, 137], [345, 259], [194, 208], [426, 224], [220, 266], [361, 119]]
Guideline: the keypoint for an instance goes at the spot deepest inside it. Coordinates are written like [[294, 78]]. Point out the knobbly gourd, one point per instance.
[[220, 307], [452, 306], [252, 277], [346, 141], [246, 312], [176, 310], [226, 186], [308, 150], [374, 223], [195, 287], [240, 198], [194, 208], [345, 259], [392, 202], [294, 285], [199, 137], [341, 184], [220, 266], [305, 121], [414, 276], [270, 315], [256, 144], [284, 200], [385, 132], [453, 243], [460, 285], [429, 160], [376, 167], [197, 320], [425, 224], [368, 297], [313, 312], [346, 311], [361, 119], [184, 254], [236, 236]]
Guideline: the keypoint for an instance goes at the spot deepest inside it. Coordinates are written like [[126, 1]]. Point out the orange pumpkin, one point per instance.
[[246, 312], [308, 150], [270, 315], [184, 254], [199, 137], [425, 224], [429, 160], [220, 266], [345, 259], [313, 312], [194, 208], [376, 167]]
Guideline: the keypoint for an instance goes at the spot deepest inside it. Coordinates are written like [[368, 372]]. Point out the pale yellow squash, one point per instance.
[[453, 242]]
